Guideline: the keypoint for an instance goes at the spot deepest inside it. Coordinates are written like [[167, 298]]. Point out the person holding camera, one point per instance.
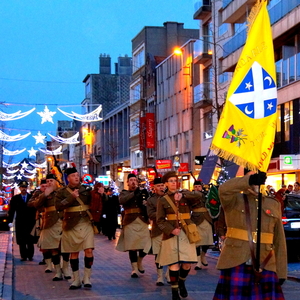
[[135, 235]]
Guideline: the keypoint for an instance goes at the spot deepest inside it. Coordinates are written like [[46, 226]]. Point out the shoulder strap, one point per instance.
[[81, 203], [171, 202]]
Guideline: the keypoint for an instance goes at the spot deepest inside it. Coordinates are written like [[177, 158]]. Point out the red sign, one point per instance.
[[142, 133], [87, 178], [150, 130], [164, 164], [184, 167], [151, 174]]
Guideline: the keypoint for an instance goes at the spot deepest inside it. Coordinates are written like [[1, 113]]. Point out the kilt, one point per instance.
[[156, 244], [206, 233], [50, 237], [238, 284], [80, 237], [134, 236], [168, 254]]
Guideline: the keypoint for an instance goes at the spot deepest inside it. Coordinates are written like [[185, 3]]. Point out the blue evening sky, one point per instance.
[[49, 46]]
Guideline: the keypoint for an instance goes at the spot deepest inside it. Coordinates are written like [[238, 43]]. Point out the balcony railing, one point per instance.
[[202, 8], [203, 92], [276, 13], [203, 49], [288, 70]]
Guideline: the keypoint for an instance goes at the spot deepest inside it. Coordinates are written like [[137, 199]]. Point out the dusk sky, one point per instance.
[[49, 46]]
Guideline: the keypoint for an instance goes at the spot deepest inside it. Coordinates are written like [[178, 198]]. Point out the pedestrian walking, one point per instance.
[[24, 222], [156, 233], [240, 278], [96, 206], [77, 234], [173, 211], [135, 236], [203, 220]]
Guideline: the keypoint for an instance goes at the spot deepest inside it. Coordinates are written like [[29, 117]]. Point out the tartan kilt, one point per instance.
[[238, 284]]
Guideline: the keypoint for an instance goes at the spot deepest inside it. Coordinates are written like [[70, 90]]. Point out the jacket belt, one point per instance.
[[50, 208], [133, 211], [200, 209], [241, 234], [77, 208], [173, 217]]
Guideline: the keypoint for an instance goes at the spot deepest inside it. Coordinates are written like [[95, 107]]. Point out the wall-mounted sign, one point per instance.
[[163, 164], [289, 162]]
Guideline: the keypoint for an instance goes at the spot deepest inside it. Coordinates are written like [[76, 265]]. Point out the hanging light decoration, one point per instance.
[[6, 165], [19, 176], [8, 152], [41, 166], [24, 165], [31, 171], [32, 152], [12, 171], [39, 138], [70, 140], [8, 177], [14, 116], [8, 138], [90, 117], [54, 152], [30, 177], [46, 115]]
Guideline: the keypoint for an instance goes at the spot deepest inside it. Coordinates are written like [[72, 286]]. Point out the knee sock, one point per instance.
[[88, 262], [142, 253], [174, 280], [65, 256], [133, 256], [74, 264], [183, 274], [198, 250], [47, 254], [56, 259], [204, 248]]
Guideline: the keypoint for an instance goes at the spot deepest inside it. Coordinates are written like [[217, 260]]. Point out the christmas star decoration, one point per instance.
[[24, 165], [46, 115], [8, 138], [14, 116], [15, 185], [70, 140], [22, 171], [57, 151], [90, 117], [8, 152], [39, 138], [32, 152], [19, 176]]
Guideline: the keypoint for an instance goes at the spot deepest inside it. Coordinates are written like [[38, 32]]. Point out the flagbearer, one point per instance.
[[237, 259]]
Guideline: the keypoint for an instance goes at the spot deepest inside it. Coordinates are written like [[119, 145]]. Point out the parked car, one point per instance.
[[291, 225], [4, 207]]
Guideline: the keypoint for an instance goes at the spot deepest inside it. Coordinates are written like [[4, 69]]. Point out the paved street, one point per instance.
[[110, 278]]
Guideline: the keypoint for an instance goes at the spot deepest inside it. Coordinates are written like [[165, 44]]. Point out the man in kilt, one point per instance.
[[176, 250], [135, 236], [78, 233], [156, 233], [51, 227], [239, 279], [203, 220]]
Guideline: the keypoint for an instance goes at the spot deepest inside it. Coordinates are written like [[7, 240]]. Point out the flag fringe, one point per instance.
[[253, 13], [232, 157]]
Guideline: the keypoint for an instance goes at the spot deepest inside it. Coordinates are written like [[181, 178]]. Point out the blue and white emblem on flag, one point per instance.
[[256, 96]]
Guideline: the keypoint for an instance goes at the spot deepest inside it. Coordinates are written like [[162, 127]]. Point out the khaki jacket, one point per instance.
[[49, 217], [237, 251], [199, 217], [164, 209], [63, 200], [151, 211], [131, 202]]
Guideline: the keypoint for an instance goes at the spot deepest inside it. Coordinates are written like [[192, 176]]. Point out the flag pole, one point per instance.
[[258, 232]]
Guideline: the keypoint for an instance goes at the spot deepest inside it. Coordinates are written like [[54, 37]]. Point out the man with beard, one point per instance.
[[52, 227], [74, 200], [135, 236]]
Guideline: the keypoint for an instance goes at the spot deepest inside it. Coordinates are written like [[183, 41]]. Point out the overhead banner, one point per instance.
[[142, 133]]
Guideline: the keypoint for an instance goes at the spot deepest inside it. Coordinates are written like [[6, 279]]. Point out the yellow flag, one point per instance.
[[246, 130]]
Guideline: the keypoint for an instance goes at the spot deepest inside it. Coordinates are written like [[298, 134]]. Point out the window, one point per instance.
[[87, 88], [135, 93], [134, 127], [288, 119], [208, 125], [138, 58], [278, 129]]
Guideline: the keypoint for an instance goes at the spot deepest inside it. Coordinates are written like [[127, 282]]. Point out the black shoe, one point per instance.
[[175, 295], [182, 290], [134, 275], [74, 287], [23, 259], [48, 271], [57, 278], [197, 268], [159, 283], [42, 262], [87, 285]]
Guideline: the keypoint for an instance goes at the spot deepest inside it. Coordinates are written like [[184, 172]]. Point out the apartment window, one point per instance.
[[278, 129], [135, 93], [87, 88], [207, 125], [138, 59], [288, 119], [135, 126], [187, 141]]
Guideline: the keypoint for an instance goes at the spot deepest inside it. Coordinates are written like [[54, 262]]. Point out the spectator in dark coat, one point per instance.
[[25, 221], [96, 205], [111, 209]]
